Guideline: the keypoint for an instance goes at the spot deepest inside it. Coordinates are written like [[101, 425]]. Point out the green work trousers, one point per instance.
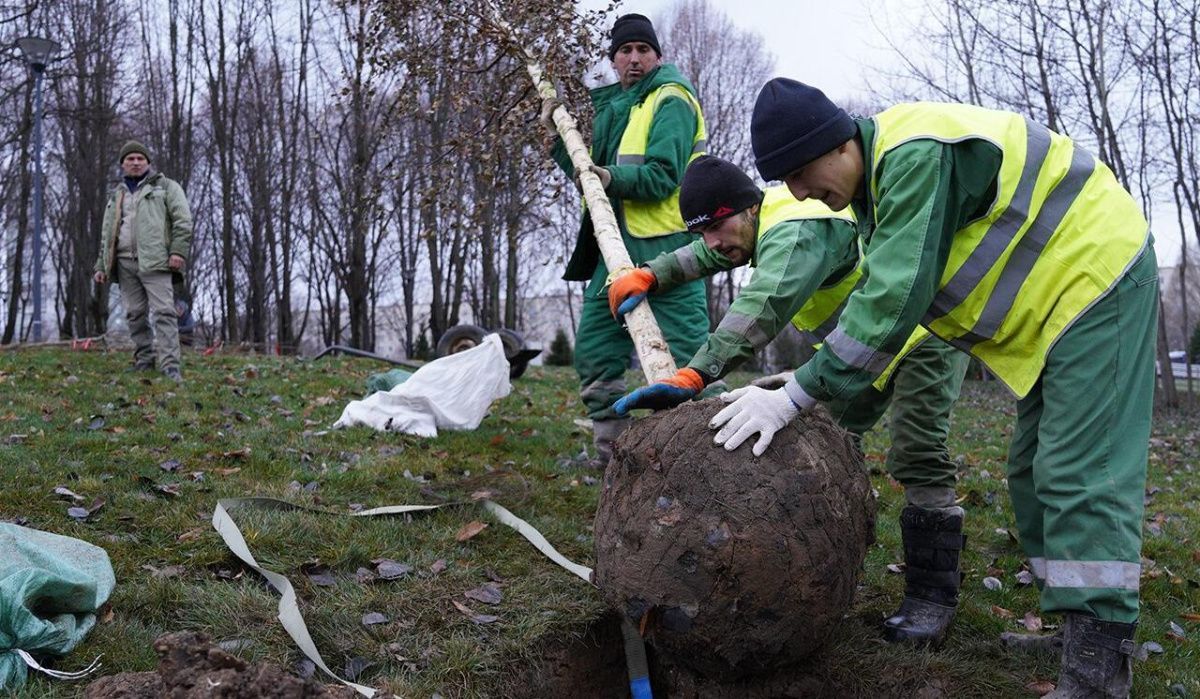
[[922, 392], [603, 346], [1077, 463], [149, 300]]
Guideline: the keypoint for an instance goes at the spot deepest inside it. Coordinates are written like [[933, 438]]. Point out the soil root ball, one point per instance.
[[733, 563]]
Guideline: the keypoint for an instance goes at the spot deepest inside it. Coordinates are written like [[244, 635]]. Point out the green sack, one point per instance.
[[387, 380], [50, 589]]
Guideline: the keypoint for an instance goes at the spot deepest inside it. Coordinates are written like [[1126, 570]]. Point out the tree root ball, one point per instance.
[[732, 563]]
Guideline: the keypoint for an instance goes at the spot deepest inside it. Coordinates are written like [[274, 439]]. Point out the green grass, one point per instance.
[[279, 409]]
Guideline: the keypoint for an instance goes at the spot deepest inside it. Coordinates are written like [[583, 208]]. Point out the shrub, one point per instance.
[[560, 350]]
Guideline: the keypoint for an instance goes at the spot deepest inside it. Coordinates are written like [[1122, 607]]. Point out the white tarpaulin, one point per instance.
[[451, 393]]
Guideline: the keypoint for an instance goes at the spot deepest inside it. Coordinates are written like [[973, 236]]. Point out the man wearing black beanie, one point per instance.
[[1013, 243], [807, 262], [647, 127]]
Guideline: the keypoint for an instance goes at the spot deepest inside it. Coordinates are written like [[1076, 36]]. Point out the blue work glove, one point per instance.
[[668, 393]]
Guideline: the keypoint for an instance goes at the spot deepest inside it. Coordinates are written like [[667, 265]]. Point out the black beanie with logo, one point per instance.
[[714, 189]]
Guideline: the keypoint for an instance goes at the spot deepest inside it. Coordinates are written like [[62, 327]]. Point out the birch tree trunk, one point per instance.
[[648, 340]]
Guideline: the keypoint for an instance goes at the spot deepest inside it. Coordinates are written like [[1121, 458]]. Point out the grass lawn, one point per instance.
[[258, 426]]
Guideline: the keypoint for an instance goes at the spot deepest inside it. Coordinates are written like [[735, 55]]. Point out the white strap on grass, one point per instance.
[[289, 610], [59, 674], [539, 542]]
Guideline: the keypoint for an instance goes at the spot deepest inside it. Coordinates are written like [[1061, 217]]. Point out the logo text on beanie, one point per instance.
[[693, 222]]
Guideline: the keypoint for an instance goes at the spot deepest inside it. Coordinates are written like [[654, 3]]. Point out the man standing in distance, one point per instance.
[[145, 240]]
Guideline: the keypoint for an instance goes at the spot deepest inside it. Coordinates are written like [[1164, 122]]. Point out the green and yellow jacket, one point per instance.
[[991, 231], [645, 135]]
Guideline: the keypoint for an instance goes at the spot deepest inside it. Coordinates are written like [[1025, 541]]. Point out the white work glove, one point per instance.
[[754, 411], [771, 381]]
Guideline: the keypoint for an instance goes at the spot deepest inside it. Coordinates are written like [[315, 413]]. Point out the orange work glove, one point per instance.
[[629, 289]]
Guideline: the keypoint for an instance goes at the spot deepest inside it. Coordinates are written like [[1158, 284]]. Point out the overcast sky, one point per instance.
[[837, 45]]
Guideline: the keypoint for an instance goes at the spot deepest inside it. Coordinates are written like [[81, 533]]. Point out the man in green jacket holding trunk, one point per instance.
[[145, 241], [1010, 242], [646, 129], [806, 263]]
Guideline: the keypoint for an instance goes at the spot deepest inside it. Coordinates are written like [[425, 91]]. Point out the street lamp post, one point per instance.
[[37, 53]]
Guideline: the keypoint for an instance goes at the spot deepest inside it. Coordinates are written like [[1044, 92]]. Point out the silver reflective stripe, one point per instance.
[[746, 326], [1118, 575], [809, 337], [688, 262], [856, 354], [997, 237], [1029, 247], [631, 159], [699, 146], [1039, 567]]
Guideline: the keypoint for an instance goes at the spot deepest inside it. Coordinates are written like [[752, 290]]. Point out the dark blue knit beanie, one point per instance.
[[794, 124], [632, 27]]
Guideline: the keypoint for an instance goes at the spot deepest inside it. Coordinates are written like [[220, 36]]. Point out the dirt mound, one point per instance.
[[733, 563], [190, 667]]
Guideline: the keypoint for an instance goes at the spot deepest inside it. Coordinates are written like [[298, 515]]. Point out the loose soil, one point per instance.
[[190, 667], [733, 564]]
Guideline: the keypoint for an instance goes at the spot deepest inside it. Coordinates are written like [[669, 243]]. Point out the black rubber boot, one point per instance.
[[933, 542], [1097, 659]]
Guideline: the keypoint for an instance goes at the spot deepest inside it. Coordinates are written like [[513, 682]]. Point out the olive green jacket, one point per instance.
[[162, 225]]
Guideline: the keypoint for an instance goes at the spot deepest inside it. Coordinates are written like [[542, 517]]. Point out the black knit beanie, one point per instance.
[[632, 27], [794, 124], [132, 147], [714, 189]]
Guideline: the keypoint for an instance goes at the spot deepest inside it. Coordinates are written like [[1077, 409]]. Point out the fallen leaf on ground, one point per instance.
[[65, 492], [487, 593], [318, 574], [1001, 612], [372, 618], [165, 572], [237, 453], [1024, 577], [192, 534], [992, 583], [227, 472], [469, 530], [895, 568], [96, 423], [355, 667], [170, 465], [389, 569], [438, 566], [171, 490], [473, 616], [1040, 687], [364, 576], [1032, 622], [1190, 616]]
